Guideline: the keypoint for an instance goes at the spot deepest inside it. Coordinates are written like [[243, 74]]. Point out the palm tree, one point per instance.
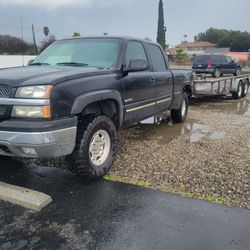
[[46, 32]]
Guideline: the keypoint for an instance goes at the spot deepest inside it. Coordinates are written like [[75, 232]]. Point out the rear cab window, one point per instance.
[[157, 57], [201, 59]]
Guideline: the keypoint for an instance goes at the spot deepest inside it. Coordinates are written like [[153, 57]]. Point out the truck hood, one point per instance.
[[38, 75]]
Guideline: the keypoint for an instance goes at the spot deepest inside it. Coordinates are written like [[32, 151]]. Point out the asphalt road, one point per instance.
[[110, 215]]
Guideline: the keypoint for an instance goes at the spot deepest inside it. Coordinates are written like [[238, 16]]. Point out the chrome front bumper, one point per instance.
[[38, 144]]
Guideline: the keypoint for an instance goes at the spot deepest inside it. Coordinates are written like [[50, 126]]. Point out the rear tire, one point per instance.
[[217, 72], [96, 148], [239, 93], [180, 114]]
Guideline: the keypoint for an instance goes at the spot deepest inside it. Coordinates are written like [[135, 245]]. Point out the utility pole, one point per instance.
[[34, 40], [22, 36]]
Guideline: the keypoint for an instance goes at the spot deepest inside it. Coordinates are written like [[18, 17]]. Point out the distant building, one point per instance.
[[217, 50], [195, 46], [238, 56]]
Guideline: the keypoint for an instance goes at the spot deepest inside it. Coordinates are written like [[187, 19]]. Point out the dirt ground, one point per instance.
[[207, 157]]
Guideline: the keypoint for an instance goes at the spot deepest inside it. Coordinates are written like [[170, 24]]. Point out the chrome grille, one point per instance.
[[3, 109], [5, 91]]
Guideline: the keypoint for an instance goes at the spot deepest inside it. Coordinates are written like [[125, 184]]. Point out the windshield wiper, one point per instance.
[[38, 64], [72, 64]]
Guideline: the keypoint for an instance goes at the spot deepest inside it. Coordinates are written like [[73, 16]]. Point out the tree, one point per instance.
[[235, 40], [76, 34], [45, 44], [46, 32], [161, 32], [181, 56], [13, 45]]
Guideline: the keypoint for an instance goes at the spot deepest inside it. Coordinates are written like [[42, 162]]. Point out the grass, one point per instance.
[[220, 200], [168, 189], [136, 183]]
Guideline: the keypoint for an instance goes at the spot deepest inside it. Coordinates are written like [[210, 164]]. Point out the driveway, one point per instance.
[[112, 215]]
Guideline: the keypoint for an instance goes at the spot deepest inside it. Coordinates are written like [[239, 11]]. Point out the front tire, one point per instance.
[[180, 114], [96, 148], [237, 71]]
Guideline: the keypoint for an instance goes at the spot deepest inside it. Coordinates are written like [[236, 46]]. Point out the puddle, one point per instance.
[[165, 132], [217, 135], [198, 131], [229, 106]]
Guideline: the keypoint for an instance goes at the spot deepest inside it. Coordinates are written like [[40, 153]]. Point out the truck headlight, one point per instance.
[[31, 111], [34, 92]]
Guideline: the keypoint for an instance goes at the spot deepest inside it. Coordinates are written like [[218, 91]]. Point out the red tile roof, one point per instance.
[[203, 44]]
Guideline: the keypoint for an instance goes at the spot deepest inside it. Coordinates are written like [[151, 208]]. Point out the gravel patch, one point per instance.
[[207, 157]]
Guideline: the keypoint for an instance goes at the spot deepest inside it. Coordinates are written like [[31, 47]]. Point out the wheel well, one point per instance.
[[109, 108], [188, 90]]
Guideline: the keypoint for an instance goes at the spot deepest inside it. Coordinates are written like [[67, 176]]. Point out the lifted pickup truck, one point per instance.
[[75, 96]]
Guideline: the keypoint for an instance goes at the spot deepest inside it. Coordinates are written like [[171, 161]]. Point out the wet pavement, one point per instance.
[[223, 105], [111, 215]]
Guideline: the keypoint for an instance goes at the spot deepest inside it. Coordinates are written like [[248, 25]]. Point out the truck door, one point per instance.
[[163, 78], [138, 97]]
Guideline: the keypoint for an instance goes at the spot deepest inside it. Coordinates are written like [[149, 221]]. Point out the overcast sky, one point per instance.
[[130, 17]]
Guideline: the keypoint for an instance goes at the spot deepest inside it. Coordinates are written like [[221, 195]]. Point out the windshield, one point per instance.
[[100, 53]]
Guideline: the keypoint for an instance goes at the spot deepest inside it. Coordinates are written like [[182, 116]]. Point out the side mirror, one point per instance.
[[136, 65], [30, 62]]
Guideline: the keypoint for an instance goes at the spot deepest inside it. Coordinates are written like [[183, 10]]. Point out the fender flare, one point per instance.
[[177, 99], [101, 95]]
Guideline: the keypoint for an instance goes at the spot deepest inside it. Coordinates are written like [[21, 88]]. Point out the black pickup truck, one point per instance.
[[74, 97]]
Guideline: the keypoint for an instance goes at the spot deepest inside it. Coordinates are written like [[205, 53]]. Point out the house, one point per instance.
[[217, 50], [239, 56], [195, 46]]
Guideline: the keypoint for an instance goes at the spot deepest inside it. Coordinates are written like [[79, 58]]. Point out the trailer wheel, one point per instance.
[[180, 114], [217, 72], [245, 89], [239, 93]]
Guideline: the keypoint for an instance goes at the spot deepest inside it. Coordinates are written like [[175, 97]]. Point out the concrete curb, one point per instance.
[[25, 197]]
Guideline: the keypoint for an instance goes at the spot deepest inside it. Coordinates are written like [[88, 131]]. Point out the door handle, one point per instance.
[[152, 80]]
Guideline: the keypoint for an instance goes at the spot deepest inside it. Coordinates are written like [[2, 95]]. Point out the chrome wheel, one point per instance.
[[240, 90], [237, 73], [246, 89], [217, 72], [183, 108], [99, 147]]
